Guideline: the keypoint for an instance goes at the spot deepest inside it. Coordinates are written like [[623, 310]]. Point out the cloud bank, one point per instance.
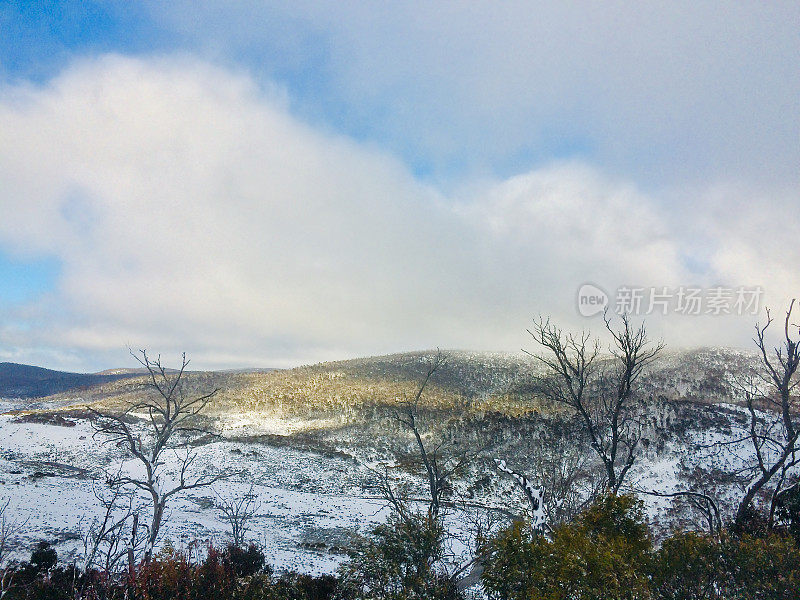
[[678, 92], [191, 210]]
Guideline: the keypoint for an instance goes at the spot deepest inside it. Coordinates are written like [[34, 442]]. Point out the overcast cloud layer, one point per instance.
[[663, 92], [198, 204]]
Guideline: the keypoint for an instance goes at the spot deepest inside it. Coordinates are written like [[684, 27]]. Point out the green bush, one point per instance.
[[244, 562], [607, 554], [604, 555], [788, 505], [760, 567], [688, 567], [401, 561]]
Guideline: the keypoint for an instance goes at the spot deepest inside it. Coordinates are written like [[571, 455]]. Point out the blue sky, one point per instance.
[[41, 37], [25, 279], [521, 130]]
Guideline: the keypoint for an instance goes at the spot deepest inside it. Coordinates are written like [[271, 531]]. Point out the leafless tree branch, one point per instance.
[[773, 432], [600, 392], [172, 419]]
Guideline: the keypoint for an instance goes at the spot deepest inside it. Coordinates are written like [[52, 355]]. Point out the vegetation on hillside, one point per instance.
[[606, 553]]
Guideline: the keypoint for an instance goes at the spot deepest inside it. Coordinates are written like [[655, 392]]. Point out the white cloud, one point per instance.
[[666, 92], [190, 210]]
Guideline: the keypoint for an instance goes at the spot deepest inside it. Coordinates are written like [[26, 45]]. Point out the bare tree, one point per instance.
[[565, 483], [480, 524], [110, 539], [600, 392], [398, 499], [171, 422], [533, 494], [701, 502], [441, 460], [772, 407], [238, 513], [9, 527]]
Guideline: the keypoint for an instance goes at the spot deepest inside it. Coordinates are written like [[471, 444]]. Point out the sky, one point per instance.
[[268, 184]]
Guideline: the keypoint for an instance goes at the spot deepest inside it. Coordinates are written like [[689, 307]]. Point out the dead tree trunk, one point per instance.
[[408, 414], [171, 420], [600, 394], [774, 439]]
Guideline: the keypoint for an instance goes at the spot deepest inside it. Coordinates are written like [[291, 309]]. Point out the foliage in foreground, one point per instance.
[[608, 554], [400, 562], [230, 574]]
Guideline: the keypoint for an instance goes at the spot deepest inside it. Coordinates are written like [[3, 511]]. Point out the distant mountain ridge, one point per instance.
[[26, 381], [705, 374]]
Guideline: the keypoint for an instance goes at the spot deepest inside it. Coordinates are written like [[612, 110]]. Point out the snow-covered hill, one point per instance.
[[310, 439]]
